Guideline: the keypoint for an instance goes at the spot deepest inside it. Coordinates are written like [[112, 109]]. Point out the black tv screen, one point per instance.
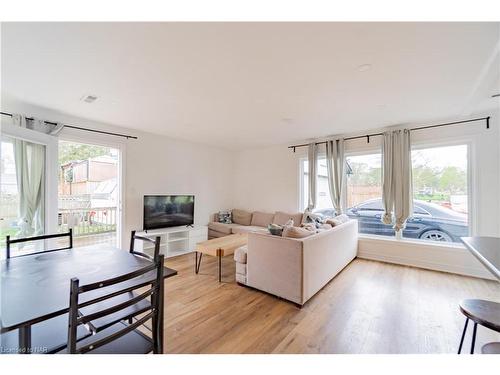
[[163, 211]]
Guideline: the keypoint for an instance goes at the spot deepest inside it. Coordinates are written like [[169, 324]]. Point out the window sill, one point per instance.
[[409, 241]]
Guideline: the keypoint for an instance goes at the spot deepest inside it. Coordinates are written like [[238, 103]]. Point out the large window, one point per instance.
[[441, 208], [323, 200], [364, 194], [440, 176]]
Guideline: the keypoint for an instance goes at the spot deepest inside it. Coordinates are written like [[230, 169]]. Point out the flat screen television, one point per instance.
[[163, 211]]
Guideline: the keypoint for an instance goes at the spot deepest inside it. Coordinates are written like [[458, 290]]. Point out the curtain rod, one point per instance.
[[367, 136], [78, 127]]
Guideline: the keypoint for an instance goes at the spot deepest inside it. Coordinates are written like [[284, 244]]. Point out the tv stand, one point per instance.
[[176, 240]]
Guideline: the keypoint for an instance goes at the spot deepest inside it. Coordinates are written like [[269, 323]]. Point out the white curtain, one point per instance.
[[397, 194], [335, 164], [30, 173], [312, 156], [387, 186]]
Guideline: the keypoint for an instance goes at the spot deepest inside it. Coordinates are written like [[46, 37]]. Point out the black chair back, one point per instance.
[[130, 282], [10, 241], [155, 242]]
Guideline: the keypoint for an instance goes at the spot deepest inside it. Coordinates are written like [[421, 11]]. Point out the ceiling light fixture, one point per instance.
[[364, 67]]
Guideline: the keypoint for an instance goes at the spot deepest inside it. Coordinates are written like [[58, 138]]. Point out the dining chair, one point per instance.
[[24, 240], [47, 336], [121, 337], [155, 242]]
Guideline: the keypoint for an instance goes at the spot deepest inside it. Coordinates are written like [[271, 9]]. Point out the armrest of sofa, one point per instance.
[[326, 254], [274, 265]]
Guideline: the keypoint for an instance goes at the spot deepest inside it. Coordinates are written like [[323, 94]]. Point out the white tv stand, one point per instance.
[[176, 240]]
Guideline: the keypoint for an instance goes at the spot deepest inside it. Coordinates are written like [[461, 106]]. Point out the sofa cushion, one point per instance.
[[248, 229], [295, 232], [337, 220], [220, 227], [240, 254], [310, 226], [214, 234], [262, 219], [281, 218], [241, 217]]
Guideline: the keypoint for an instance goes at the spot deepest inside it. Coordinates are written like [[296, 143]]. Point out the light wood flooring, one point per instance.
[[370, 307]]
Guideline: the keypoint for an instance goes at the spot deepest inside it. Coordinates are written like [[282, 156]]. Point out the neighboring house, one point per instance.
[[84, 176]]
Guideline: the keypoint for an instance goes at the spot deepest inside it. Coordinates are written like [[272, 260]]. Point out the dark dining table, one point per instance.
[[35, 288]]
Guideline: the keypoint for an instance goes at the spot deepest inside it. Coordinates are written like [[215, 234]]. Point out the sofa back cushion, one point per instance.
[[295, 232], [281, 218], [241, 217], [262, 219], [337, 220]]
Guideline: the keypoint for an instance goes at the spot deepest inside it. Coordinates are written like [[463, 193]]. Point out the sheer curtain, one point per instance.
[[335, 164], [312, 157], [397, 195], [29, 161]]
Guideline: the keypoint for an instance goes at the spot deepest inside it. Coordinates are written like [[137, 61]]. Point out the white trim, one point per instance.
[[76, 136], [301, 183], [437, 257]]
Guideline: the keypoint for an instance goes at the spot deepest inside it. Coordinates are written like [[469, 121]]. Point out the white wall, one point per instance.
[[154, 164], [157, 164], [268, 179]]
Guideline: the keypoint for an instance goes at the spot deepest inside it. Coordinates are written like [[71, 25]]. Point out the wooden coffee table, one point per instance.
[[219, 247]]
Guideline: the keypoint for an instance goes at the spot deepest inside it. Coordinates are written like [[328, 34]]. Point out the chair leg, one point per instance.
[[463, 335], [473, 338]]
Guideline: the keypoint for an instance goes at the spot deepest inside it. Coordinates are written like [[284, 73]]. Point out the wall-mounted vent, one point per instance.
[[89, 98]]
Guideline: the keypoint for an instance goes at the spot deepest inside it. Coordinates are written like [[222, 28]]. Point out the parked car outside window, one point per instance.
[[429, 221]]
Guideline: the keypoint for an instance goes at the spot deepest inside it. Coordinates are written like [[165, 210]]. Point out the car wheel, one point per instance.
[[436, 235]]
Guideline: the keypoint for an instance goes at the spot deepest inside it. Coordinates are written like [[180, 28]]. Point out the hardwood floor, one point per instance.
[[370, 307]]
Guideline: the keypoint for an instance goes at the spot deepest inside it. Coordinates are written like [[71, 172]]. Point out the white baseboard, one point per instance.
[[438, 257]]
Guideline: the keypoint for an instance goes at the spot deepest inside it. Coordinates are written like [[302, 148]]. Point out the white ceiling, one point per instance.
[[239, 85]]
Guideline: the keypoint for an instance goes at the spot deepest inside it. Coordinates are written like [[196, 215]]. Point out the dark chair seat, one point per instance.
[[99, 324], [49, 336], [485, 313], [491, 348], [134, 342]]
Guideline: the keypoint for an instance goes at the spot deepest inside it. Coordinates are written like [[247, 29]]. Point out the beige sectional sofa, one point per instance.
[[296, 269], [246, 222]]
